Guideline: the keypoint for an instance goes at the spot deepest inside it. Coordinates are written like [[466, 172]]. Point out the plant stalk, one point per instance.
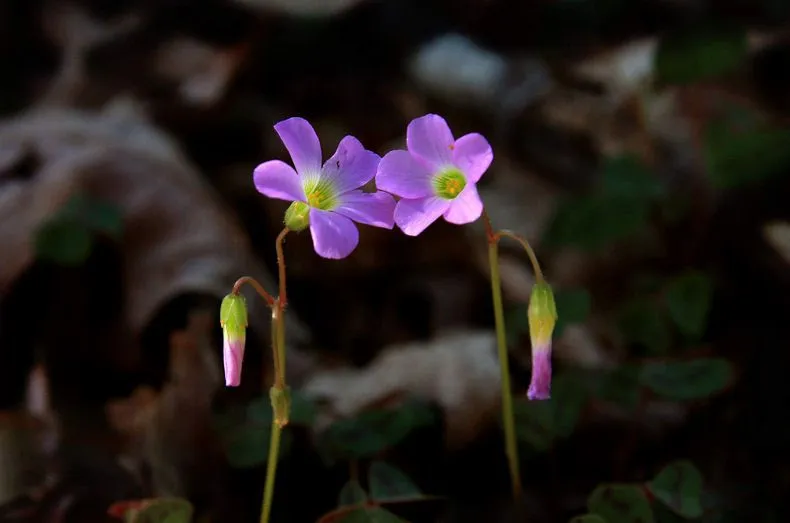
[[278, 357], [508, 419], [271, 472]]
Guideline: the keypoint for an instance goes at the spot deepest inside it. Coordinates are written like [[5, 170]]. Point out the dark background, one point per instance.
[[643, 147]]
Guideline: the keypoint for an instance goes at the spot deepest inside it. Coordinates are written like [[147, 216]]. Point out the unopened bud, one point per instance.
[[297, 216], [233, 319], [542, 316]]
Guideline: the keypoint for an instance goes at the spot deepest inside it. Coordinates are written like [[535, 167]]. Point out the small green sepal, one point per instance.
[[541, 313], [297, 216]]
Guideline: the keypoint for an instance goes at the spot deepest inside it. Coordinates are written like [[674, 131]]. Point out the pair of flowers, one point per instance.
[[434, 177]]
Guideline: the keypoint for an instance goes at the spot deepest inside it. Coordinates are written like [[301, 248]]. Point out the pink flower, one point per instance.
[[436, 176]]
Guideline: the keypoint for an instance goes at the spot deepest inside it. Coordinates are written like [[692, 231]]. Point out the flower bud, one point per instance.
[[233, 319], [281, 405], [297, 216], [542, 316]]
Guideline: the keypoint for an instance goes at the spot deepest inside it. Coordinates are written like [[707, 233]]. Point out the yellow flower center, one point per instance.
[[449, 183], [320, 194]]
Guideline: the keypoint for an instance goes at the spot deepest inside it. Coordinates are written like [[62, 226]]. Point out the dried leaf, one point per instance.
[[177, 237], [459, 372], [777, 234], [76, 32], [202, 71], [171, 432]]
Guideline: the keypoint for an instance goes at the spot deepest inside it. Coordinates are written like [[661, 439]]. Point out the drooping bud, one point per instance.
[[542, 316], [233, 319], [297, 216], [281, 405]]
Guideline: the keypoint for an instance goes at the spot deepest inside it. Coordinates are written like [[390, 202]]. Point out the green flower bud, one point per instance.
[[233, 319], [541, 313], [297, 216]]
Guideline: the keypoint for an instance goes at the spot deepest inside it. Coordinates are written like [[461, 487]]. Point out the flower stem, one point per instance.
[[508, 420], [278, 245], [271, 472], [527, 247], [278, 355], [252, 282], [279, 418]]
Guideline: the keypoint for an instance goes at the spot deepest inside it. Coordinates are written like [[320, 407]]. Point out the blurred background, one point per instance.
[[643, 147]]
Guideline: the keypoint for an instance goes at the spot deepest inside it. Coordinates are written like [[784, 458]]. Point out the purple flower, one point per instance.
[[542, 317], [540, 384], [233, 319], [233, 356], [325, 197], [436, 176]]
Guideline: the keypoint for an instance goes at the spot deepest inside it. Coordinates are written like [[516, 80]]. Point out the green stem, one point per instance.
[[527, 247], [271, 472], [278, 324], [508, 419], [249, 280], [278, 356], [511, 450]]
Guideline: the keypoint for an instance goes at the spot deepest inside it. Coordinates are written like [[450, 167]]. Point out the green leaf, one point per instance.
[[665, 515], [573, 306], [245, 433], [303, 410], [688, 299], [741, 148], [67, 237], [679, 487], [373, 431], [534, 423], [371, 515], [588, 518], [97, 216], [390, 484], [259, 411], [642, 323], [352, 493], [539, 423], [618, 209], [64, 242], [687, 380], [162, 510], [627, 177], [569, 396], [700, 53], [620, 504], [621, 386], [247, 446], [594, 222]]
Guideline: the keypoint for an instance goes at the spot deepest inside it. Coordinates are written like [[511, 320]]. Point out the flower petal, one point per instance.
[[430, 138], [414, 216], [302, 143], [540, 385], [334, 235], [472, 154], [277, 179], [400, 174], [351, 167], [466, 208], [233, 356], [375, 209]]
